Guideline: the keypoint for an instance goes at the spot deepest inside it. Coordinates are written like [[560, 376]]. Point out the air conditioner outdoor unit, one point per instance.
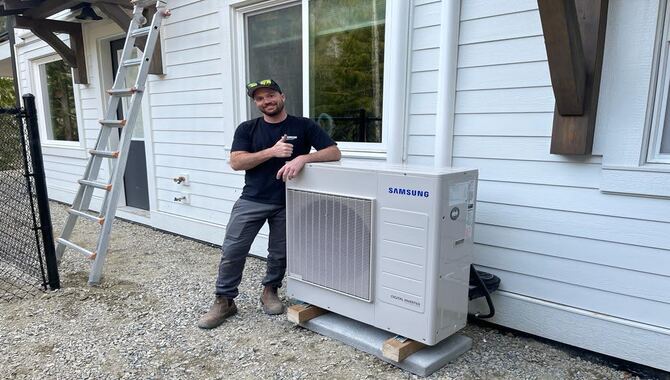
[[389, 246]]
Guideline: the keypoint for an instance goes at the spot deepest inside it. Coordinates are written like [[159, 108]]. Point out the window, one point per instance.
[[633, 96], [659, 137], [57, 101], [274, 50], [328, 57], [346, 62]]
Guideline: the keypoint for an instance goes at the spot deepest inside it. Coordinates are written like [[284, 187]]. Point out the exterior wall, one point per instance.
[[577, 265], [190, 126]]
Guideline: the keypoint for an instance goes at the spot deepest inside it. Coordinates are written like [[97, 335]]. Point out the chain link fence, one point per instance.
[[27, 256]]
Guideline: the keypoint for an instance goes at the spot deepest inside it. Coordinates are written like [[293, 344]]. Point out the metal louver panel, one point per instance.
[[328, 238]]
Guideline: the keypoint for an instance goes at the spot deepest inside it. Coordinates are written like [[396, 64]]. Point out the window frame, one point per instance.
[[662, 90], [627, 99], [241, 9], [41, 103]]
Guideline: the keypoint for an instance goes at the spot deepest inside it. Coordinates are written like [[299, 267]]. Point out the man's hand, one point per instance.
[[282, 149], [291, 169]]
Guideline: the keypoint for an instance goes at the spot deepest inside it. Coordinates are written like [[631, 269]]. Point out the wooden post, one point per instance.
[[73, 55], [564, 53], [573, 134]]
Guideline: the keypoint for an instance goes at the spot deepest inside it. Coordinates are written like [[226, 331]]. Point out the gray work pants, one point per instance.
[[246, 219]]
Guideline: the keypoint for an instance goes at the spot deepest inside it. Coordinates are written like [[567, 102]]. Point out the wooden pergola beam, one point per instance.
[[564, 54], [12, 5], [49, 7], [121, 3], [572, 134], [73, 55]]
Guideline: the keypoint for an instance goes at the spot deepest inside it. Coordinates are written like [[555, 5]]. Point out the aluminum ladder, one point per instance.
[[102, 150]]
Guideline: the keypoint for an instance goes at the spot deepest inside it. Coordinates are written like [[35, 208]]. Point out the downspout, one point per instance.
[[446, 89], [395, 84]]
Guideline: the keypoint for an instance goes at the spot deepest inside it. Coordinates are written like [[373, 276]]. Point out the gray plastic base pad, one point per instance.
[[370, 339]]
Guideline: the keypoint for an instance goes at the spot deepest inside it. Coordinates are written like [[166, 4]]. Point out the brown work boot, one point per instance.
[[272, 305], [221, 309]]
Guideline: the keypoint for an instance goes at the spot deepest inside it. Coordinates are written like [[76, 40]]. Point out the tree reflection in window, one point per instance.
[[346, 52], [61, 115]]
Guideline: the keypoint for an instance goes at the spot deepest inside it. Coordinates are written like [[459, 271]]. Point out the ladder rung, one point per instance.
[[104, 153], [113, 123], [86, 215], [132, 62], [86, 252], [123, 91], [99, 185], [141, 31]]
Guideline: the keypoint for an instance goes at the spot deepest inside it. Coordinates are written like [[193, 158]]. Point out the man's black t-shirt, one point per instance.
[[260, 183]]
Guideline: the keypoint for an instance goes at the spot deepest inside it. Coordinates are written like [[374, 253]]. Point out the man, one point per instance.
[[272, 149]]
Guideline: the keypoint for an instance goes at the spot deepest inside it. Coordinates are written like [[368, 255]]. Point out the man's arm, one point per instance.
[[293, 167], [242, 160]]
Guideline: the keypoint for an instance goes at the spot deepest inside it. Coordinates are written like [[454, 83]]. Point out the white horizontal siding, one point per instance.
[[519, 75], [192, 55], [555, 173], [535, 99], [511, 148], [181, 86], [616, 255], [504, 124], [575, 199], [474, 9], [543, 225], [503, 27], [517, 50]]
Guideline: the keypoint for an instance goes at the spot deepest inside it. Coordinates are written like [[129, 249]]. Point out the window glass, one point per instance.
[[60, 112], [274, 50], [346, 57]]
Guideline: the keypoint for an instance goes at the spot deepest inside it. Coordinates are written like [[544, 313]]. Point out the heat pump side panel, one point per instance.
[[455, 251], [406, 231]]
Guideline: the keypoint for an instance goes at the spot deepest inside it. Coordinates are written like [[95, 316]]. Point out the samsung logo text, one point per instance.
[[409, 192]]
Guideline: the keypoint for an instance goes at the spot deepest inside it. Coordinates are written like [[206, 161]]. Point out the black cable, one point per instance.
[[489, 301]]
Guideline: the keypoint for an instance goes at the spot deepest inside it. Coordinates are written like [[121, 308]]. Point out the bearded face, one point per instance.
[[269, 102]]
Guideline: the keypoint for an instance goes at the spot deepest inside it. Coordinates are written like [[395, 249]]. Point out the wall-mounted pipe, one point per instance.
[[395, 81], [446, 90]]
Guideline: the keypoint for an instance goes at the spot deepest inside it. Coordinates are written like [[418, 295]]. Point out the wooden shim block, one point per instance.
[[299, 314], [399, 348]]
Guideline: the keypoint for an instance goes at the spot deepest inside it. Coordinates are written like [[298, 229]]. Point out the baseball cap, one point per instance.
[[265, 83]]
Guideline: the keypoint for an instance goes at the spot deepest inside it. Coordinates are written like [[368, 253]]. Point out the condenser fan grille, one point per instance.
[[328, 241]]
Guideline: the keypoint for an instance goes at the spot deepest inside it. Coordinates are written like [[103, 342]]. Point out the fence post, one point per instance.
[[41, 191]]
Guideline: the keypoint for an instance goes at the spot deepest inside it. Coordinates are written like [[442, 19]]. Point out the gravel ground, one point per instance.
[[140, 323]]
